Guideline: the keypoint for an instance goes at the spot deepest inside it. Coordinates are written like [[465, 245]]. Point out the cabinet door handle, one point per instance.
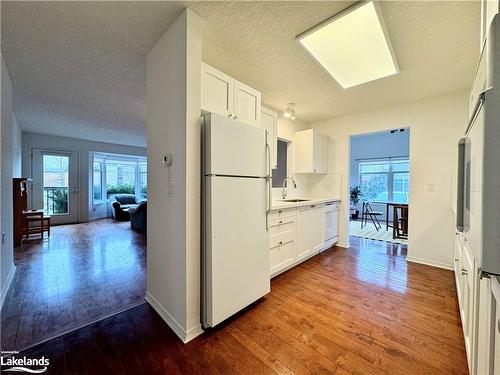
[[279, 211], [230, 115], [464, 272], [456, 259], [312, 206], [280, 243], [498, 325], [236, 117], [281, 221]]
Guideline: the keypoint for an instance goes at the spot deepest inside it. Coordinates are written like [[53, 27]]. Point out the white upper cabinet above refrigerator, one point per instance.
[[311, 152], [227, 96]]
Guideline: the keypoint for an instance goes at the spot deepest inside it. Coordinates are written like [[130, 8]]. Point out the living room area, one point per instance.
[[84, 257]]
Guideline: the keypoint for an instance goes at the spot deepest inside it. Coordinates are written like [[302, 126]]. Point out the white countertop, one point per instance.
[[279, 204]]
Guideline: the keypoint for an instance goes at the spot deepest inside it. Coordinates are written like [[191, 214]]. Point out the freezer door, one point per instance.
[[236, 251], [233, 148]]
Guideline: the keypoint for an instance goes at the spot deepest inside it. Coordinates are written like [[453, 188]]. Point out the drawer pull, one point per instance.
[[280, 243], [279, 211], [281, 221], [313, 205]]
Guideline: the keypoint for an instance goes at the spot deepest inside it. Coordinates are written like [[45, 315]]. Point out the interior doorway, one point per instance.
[[379, 183]]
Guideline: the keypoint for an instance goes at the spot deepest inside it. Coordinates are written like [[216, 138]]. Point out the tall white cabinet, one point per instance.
[[269, 121], [229, 97], [311, 152]]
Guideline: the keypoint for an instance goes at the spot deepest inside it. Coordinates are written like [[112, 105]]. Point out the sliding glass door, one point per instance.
[[55, 185]]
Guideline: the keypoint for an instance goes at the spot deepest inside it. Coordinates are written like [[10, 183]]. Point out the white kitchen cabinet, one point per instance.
[[227, 96], [468, 302], [246, 104], [331, 221], [310, 152], [216, 91], [269, 121], [304, 232], [317, 227], [282, 243], [310, 229], [458, 267]]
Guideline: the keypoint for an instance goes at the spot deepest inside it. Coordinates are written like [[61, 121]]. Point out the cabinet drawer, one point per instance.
[[281, 238], [281, 255], [286, 224], [278, 214]]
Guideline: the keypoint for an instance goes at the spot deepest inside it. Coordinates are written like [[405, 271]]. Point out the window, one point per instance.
[[385, 180], [120, 177], [118, 174], [55, 184], [143, 178], [279, 174], [98, 180]]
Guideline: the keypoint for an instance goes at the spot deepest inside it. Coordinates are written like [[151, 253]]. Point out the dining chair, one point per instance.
[[368, 212]]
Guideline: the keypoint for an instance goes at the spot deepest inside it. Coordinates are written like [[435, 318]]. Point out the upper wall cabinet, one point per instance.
[[311, 152], [224, 95], [269, 121]]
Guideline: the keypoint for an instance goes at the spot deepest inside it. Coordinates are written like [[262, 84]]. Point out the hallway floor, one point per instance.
[[362, 310], [82, 273]]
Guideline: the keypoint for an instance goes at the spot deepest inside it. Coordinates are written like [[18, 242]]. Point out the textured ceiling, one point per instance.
[[78, 68]]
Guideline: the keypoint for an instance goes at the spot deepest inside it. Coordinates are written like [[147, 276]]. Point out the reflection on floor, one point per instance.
[[370, 232], [83, 273], [362, 310]]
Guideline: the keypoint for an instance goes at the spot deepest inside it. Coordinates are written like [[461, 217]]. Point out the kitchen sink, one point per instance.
[[295, 200]]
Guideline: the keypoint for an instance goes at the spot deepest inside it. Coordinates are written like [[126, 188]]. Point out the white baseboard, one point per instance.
[[6, 286], [431, 263], [343, 244], [184, 335]]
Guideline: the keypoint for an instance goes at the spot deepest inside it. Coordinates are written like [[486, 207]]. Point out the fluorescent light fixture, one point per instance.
[[353, 46]]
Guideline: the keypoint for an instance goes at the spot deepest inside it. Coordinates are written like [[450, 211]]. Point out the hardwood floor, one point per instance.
[[83, 273], [362, 310]]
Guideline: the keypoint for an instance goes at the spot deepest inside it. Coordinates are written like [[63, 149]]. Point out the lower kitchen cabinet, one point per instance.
[[299, 233]]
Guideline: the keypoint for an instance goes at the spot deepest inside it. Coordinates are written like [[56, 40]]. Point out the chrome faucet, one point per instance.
[[283, 194]]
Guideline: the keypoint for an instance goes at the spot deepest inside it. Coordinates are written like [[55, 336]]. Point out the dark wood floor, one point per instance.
[[83, 273], [363, 310]]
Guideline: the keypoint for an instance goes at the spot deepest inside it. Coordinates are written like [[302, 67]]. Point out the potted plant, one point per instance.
[[356, 194]]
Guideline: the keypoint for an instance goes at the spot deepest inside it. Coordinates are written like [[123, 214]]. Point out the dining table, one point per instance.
[[387, 205]]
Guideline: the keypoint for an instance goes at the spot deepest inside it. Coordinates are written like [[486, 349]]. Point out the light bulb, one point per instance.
[[287, 114]]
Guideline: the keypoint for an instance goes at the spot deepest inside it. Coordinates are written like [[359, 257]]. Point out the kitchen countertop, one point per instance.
[[279, 204]]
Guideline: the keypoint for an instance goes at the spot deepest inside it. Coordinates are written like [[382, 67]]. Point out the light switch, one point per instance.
[[430, 187]]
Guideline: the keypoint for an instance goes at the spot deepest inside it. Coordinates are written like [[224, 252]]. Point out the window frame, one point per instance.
[[390, 174], [136, 161]]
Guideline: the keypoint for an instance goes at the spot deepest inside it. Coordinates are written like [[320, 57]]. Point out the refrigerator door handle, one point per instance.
[[268, 178]]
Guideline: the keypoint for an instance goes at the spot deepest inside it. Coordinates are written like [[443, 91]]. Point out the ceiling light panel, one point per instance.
[[353, 46]]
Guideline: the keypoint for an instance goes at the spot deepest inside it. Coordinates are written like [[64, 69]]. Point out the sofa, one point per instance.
[[121, 206], [138, 217]]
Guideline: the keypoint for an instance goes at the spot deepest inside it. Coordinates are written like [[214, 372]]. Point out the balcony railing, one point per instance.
[[55, 200]]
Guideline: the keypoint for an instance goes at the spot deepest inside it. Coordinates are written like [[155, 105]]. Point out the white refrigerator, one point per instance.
[[236, 197]]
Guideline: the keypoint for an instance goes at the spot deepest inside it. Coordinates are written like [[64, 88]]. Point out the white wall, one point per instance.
[[376, 145], [173, 126], [9, 154], [435, 124], [87, 211]]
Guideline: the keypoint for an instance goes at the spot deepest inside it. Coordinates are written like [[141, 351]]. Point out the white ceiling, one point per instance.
[[78, 68]]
